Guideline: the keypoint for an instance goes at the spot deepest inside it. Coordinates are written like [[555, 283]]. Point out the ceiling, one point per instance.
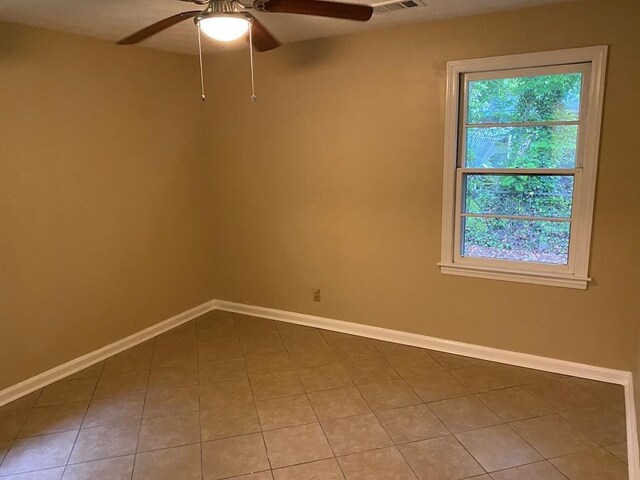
[[114, 19]]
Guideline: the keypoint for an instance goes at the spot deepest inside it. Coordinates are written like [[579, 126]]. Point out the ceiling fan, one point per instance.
[[225, 17], [227, 20]]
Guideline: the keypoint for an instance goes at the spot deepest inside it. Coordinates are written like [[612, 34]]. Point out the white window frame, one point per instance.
[[592, 62]]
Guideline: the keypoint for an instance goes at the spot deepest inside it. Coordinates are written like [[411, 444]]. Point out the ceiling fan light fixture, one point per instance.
[[224, 27]]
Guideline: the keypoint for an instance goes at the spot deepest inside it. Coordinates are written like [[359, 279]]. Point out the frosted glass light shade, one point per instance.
[[224, 28]]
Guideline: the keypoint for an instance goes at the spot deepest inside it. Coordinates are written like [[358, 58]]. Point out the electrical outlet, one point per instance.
[[316, 294]]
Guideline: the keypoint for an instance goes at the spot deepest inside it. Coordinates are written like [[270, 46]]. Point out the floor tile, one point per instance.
[[303, 340], [22, 403], [4, 448], [601, 424], [135, 359], [94, 371], [228, 392], [535, 471], [355, 434], [339, 338], [382, 464], [432, 387], [37, 453], [271, 363], [294, 445], [173, 377], [234, 456], [125, 384], [560, 395], [452, 362], [619, 450], [267, 331], [606, 393], [515, 403], [413, 363], [250, 323], [48, 474], [440, 458], [216, 352], [118, 468], [464, 413], [591, 465], [173, 357], [275, 385], [262, 345], [410, 424], [217, 336], [236, 419], [67, 391], [222, 370], [370, 370], [552, 436], [497, 448], [182, 338], [106, 441], [11, 422], [388, 348], [341, 402], [54, 419], [491, 377], [352, 351], [288, 328], [285, 412], [321, 470], [171, 431], [389, 394], [215, 318], [172, 401], [104, 411], [182, 463], [324, 378], [315, 357]]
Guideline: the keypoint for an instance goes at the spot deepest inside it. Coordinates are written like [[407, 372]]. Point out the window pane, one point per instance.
[[539, 98], [522, 147], [527, 195], [522, 240]]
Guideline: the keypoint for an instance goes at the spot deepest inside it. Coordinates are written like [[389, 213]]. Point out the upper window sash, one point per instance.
[[579, 122]]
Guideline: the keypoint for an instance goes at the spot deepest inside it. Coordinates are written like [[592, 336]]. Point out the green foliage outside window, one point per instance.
[[543, 98]]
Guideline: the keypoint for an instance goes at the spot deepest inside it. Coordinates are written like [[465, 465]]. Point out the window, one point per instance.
[[521, 151]]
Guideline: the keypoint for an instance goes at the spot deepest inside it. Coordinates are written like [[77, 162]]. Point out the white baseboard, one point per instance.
[[591, 372], [536, 362], [50, 376]]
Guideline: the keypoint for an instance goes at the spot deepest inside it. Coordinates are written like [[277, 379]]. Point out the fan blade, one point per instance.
[[262, 39], [319, 8], [158, 27]]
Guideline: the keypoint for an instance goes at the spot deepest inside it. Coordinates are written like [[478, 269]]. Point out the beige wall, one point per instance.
[[334, 180], [103, 206]]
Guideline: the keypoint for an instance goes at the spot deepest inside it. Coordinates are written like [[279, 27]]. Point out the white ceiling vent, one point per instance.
[[401, 5]]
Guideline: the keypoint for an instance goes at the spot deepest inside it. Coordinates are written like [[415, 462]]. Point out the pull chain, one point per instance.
[[253, 87], [201, 70]]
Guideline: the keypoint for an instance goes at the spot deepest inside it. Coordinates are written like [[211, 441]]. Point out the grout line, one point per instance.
[[264, 442], [306, 394], [144, 404], [195, 322], [75, 441]]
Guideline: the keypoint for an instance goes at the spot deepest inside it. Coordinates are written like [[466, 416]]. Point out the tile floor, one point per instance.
[[231, 396]]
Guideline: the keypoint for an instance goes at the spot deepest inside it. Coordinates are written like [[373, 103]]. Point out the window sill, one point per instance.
[[538, 278]]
